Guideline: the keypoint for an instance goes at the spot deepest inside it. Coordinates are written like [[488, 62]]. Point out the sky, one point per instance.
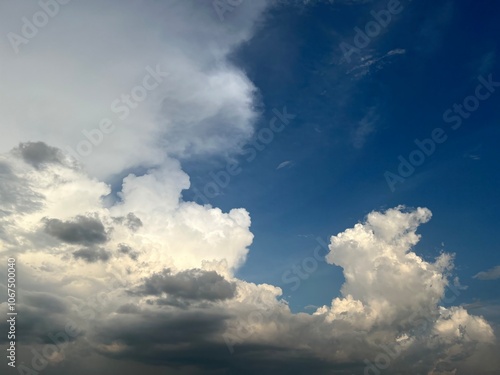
[[240, 187]]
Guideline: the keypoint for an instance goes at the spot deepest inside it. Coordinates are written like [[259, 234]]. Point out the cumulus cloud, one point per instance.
[[390, 289], [146, 283], [151, 279], [148, 218], [382, 273]]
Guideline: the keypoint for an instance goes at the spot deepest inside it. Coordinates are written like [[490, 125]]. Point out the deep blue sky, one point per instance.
[[335, 178]]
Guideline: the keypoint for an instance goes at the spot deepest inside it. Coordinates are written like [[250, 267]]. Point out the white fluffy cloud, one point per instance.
[[66, 78], [168, 231], [390, 291], [385, 281]]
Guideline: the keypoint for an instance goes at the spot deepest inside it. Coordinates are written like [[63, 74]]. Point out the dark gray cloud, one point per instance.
[[92, 254], [126, 249], [82, 230], [182, 327], [45, 301], [131, 221], [128, 308], [192, 284], [40, 315], [192, 341], [38, 154]]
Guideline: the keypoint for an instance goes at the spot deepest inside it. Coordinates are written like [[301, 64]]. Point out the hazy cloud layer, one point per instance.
[[70, 78]]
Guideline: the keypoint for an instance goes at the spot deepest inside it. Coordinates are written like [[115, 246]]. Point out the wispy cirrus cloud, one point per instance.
[[364, 128], [369, 63], [285, 164], [491, 274]]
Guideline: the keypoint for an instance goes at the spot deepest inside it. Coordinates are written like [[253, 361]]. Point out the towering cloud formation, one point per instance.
[[151, 278], [391, 290], [385, 280]]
